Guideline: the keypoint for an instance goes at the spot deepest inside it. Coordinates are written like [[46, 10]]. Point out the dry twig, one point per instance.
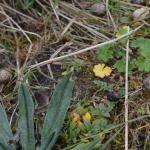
[[85, 49]]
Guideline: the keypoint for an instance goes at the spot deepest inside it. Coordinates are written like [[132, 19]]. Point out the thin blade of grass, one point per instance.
[[104, 146], [87, 146]]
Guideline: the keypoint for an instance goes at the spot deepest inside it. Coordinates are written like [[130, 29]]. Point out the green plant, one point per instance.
[[52, 124], [86, 121], [25, 4], [5, 131], [120, 65], [72, 65], [141, 110], [143, 59], [104, 85], [105, 53]]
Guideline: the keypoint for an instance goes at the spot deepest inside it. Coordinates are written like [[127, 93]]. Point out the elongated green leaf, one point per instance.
[[5, 131], [56, 113], [87, 146], [104, 146], [25, 122]]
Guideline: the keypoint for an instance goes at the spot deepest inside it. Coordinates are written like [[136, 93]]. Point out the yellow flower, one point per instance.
[[101, 70], [87, 116]]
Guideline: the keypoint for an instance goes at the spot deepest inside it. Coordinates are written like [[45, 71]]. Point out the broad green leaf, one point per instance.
[[105, 53], [25, 122], [143, 64], [120, 65], [56, 113], [5, 131], [143, 45]]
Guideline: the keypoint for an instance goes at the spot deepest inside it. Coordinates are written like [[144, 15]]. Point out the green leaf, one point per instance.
[[125, 20], [104, 146], [103, 85], [105, 53], [143, 64], [25, 122], [138, 42], [103, 123], [5, 131], [120, 65], [120, 53], [122, 31], [87, 146], [143, 45], [56, 113]]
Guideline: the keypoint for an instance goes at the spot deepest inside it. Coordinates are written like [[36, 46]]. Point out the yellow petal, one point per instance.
[[101, 74], [107, 71], [87, 116], [101, 71], [98, 70]]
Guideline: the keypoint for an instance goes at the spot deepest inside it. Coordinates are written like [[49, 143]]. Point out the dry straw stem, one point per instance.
[[109, 15], [84, 26], [14, 11], [126, 95], [85, 49], [16, 29]]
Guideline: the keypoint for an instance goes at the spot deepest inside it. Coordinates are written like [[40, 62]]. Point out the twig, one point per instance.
[[126, 95], [2, 12], [17, 12], [55, 12], [28, 32], [11, 118], [55, 54], [67, 27], [84, 26], [109, 14], [85, 49]]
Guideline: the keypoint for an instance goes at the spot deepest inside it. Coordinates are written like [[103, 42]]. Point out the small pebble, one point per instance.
[[113, 96], [5, 75], [140, 13], [98, 9], [137, 1], [146, 83]]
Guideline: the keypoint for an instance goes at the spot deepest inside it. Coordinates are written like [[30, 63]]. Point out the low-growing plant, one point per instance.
[[53, 122], [143, 59], [85, 121], [116, 55], [72, 65], [25, 4]]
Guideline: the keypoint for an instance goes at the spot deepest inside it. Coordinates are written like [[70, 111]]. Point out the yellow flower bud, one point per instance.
[[87, 116]]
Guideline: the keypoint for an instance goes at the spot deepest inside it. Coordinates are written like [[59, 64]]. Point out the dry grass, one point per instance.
[[36, 40]]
